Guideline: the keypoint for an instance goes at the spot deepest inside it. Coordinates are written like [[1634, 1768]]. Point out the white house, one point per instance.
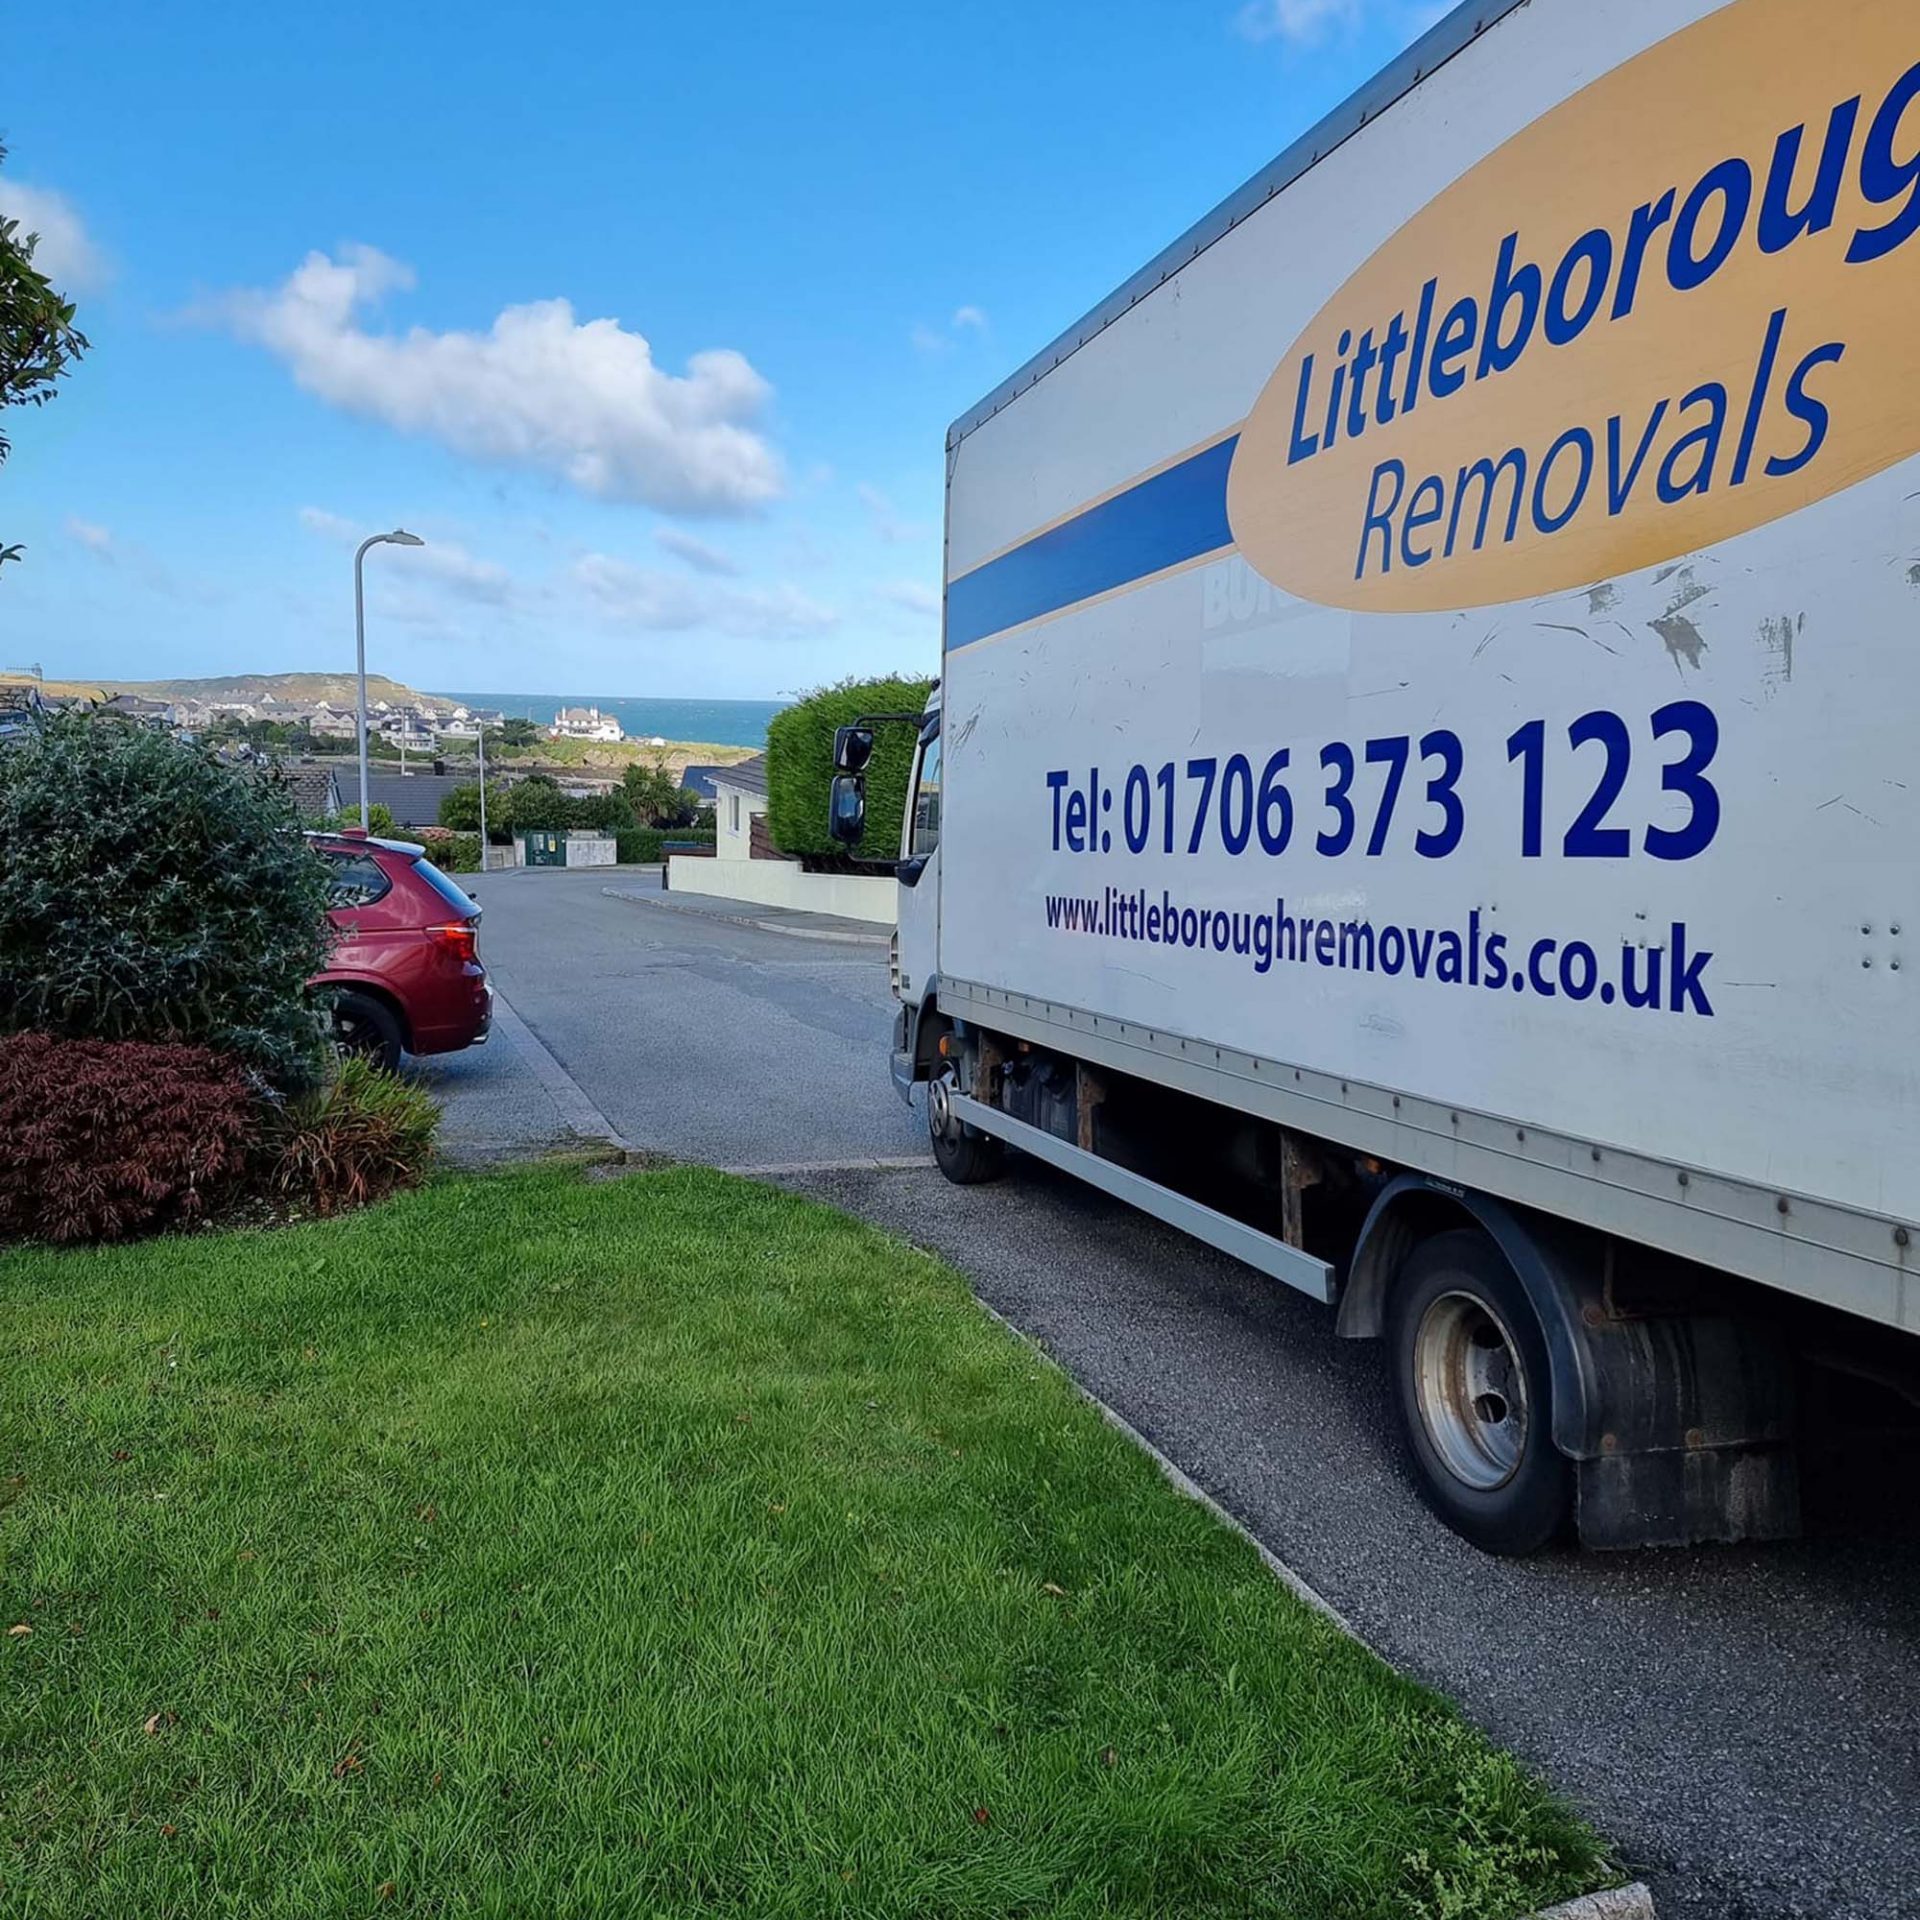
[[584, 723], [407, 730], [771, 879], [740, 792]]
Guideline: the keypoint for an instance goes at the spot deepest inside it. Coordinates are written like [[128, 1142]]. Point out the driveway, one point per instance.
[[1746, 1723]]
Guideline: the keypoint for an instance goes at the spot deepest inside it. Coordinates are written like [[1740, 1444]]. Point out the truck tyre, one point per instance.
[[367, 1027], [1471, 1377], [964, 1154]]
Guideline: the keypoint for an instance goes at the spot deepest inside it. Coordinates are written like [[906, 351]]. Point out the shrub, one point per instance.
[[637, 846], [463, 855], [380, 821], [150, 892], [107, 1138], [657, 797], [356, 1139], [800, 766], [460, 807], [449, 851], [534, 804], [601, 812]]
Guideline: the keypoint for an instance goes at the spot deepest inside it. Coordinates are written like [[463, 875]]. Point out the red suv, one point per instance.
[[405, 972]]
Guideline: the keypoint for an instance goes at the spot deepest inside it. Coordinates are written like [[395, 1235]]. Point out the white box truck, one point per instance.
[[1424, 790]]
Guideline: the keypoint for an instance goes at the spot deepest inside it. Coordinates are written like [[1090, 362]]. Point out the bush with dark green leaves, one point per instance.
[[449, 851], [535, 805], [380, 821], [800, 767], [150, 892], [601, 812], [460, 809]]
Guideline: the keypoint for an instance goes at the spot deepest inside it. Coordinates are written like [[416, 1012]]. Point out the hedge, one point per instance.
[[800, 767], [647, 846]]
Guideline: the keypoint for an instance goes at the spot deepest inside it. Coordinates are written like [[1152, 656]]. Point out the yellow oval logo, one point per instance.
[[1682, 304]]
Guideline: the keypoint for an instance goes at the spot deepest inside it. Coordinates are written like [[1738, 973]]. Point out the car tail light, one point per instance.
[[459, 937]]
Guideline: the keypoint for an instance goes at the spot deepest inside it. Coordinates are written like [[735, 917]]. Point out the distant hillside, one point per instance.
[[335, 688]]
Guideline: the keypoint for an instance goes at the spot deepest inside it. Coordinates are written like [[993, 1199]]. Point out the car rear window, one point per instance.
[[464, 905], [358, 879]]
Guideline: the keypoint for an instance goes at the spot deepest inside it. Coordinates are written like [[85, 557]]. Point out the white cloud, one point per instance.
[[445, 562], [886, 518], [64, 252], [1301, 23], [140, 566], [696, 553], [935, 340], [580, 399], [654, 601]]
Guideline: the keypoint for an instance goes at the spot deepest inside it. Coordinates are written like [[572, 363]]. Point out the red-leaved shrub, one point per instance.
[[103, 1139]]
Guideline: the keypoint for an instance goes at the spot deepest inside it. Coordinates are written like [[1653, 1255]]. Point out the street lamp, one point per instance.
[[397, 538]]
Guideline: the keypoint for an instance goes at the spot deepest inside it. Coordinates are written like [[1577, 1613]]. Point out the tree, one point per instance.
[[518, 734], [38, 340], [656, 796], [460, 806]]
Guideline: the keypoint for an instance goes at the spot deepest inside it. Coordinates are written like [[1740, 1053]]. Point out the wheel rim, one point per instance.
[[353, 1034], [940, 1120], [1472, 1390]]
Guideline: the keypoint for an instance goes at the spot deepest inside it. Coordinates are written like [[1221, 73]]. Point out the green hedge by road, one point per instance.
[[800, 766]]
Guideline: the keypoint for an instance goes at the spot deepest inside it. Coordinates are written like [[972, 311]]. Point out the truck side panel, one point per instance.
[[1627, 860]]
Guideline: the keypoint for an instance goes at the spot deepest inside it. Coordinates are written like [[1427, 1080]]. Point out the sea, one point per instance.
[[719, 723]]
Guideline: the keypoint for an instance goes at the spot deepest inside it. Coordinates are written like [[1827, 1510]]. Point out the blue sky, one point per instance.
[[650, 317]]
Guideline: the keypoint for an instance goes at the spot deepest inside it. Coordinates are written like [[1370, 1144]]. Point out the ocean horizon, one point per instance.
[[720, 723]]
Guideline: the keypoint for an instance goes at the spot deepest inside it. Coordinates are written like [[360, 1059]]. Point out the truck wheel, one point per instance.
[[964, 1154], [1471, 1378], [367, 1027]]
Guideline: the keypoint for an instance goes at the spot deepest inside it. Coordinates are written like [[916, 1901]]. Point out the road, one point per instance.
[[1745, 1723]]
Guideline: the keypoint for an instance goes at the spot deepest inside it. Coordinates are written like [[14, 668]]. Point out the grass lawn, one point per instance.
[[662, 1546]]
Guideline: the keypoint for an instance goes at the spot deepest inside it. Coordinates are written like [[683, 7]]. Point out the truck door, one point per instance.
[[919, 897]]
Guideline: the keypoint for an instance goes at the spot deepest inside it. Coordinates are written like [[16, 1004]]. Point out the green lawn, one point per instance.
[[664, 1546]]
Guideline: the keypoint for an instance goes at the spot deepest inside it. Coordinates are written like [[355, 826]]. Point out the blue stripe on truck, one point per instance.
[[1175, 515]]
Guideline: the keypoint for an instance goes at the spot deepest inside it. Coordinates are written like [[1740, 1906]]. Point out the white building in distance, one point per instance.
[[584, 723]]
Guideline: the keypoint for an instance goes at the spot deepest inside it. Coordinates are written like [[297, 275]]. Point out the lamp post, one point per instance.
[[482, 725], [397, 538]]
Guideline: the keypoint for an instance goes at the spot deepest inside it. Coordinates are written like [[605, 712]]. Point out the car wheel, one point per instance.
[[1475, 1396], [964, 1154], [367, 1028]]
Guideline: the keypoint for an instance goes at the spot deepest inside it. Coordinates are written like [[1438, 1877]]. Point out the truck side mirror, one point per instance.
[[847, 807], [852, 748]]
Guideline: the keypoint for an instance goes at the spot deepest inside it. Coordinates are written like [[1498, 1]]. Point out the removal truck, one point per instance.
[[1424, 791]]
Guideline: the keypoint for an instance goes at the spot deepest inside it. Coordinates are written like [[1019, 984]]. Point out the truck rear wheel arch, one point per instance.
[[1562, 1270], [1680, 1424]]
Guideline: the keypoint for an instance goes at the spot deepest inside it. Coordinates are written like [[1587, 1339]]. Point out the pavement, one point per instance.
[[643, 890], [1744, 1723]]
